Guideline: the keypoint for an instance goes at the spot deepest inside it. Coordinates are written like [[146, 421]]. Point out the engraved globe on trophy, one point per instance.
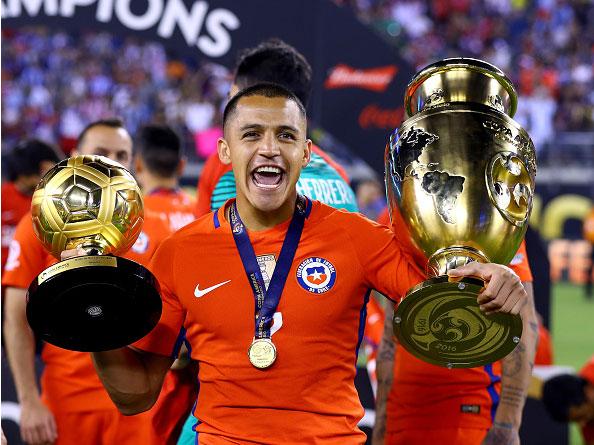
[[98, 301], [460, 180]]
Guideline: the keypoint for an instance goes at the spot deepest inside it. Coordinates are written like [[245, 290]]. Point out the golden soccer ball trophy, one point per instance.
[[460, 182], [98, 301]]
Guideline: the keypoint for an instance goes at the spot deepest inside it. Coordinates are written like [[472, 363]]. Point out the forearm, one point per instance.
[[132, 379], [20, 346], [385, 374], [517, 368]]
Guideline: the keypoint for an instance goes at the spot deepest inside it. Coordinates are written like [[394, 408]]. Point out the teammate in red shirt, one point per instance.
[[324, 269], [73, 406], [460, 405], [27, 163], [158, 164]]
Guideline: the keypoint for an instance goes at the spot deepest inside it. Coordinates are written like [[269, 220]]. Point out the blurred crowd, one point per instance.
[[54, 84], [545, 46]]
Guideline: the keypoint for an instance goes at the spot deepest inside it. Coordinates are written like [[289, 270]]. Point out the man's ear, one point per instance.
[[224, 151], [306, 153]]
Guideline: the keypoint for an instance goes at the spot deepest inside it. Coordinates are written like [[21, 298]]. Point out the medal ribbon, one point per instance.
[[267, 300]]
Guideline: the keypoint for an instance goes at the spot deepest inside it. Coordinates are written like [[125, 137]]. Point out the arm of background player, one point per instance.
[[132, 378], [385, 373], [516, 374], [37, 423]]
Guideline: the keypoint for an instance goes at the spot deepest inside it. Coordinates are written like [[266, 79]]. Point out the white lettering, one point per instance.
[[190, 23], [327, 198], [14, 7], [333, 191], [105, 10], [343, 191], [139, 22], [218, 23], [14, 253], [67, 7]]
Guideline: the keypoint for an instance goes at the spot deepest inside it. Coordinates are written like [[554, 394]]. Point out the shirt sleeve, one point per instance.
[[386, 267], [26, 257], [167, 336], [519, 264]]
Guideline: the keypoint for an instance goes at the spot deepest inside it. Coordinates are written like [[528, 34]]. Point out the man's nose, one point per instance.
[[269, 146]]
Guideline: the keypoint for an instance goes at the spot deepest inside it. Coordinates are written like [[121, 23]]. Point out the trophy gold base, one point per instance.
[[93, 303], [439, 322]]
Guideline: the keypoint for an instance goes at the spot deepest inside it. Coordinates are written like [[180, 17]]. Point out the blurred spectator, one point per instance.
[[544, 46], [371, 198], [27, 163], [52, 88]]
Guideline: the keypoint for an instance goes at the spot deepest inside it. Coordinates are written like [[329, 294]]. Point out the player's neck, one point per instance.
[[256, 219], [150, 184]]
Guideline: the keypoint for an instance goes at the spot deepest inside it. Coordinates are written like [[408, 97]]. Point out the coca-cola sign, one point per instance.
[[374, 79]]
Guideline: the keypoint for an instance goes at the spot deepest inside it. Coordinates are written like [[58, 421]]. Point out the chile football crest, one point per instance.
[[316, 275]]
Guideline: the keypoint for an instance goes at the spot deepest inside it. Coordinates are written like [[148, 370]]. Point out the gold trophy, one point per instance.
[[98, 301], [460, 181]]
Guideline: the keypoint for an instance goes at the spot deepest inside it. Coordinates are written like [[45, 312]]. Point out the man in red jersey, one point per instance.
[[158, 164], [272, 369], [466, 406], [73, 407], [27, 163]]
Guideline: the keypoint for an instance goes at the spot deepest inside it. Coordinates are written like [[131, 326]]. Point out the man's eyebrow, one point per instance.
[[251, 127], [288, 127]]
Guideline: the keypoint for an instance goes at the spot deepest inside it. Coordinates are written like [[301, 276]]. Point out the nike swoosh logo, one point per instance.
[[200, 293]]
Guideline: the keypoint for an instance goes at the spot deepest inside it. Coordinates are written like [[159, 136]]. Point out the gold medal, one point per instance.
[[262, 353]]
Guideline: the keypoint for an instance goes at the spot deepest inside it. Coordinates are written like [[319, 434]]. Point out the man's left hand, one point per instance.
[[503, 291]]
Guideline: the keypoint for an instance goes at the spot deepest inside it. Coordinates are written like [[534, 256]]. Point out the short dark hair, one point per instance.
[[160, 148], [261, 89], [277, 62], [112, 122], [562, 392], [26, 157]]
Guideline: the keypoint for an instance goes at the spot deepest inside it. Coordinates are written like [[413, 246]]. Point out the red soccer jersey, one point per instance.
[[308, 395], [213, 170], [173, 205], [14, 205], [69, 381]]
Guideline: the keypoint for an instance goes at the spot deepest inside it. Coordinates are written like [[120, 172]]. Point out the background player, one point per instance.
[[323, 179], [27, 163], [158, 164], [317, 341], [73, 405]]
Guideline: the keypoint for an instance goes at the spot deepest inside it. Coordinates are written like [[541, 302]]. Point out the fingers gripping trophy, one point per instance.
[[98, 301], [460, 179]]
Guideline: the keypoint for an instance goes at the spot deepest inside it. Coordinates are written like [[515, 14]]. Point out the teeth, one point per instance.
[[268, 169]]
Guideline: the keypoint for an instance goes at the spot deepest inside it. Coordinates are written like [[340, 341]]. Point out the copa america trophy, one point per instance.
[[460, 179], [98, 301]]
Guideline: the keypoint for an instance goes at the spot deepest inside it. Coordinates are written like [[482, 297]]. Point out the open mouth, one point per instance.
[[267, 176]]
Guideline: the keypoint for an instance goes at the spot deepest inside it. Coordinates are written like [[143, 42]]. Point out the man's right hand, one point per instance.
[[38, 426]]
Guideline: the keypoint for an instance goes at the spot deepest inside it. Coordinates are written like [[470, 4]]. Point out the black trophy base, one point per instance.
[[93, 303]]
